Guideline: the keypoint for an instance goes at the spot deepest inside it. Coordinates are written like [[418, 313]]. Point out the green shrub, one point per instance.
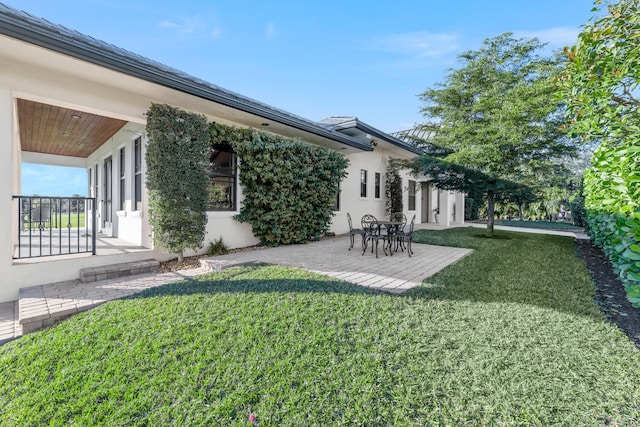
[[217, 247], [176, 177], [393, 187], [289, 187], [612, 194]]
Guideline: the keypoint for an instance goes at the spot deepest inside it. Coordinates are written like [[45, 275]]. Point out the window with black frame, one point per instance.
[[363, 183], [222, 174], [137, 171], [412, 195]]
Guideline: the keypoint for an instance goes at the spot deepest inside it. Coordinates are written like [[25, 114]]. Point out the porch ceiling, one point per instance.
[[56, 130]]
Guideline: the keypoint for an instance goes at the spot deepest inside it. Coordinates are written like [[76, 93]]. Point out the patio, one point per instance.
[[330, 257], [43, 305]]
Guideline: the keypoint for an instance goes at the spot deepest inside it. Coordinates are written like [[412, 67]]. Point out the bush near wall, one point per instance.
[[176, 177], [612, 194], [289, 186]]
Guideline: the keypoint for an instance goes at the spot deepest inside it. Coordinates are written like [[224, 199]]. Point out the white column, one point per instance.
[[9, 182], [444, 217]]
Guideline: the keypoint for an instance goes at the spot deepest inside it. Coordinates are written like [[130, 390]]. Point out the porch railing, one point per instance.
[[49, 226]]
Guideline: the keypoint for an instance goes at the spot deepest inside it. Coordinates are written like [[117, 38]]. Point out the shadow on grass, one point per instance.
[[521, 268], [239, 280]]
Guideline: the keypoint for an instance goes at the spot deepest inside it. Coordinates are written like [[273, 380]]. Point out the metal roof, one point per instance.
[[40, 32], [344, 123]]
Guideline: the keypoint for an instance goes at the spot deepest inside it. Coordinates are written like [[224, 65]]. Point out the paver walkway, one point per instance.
[[330, 257], [395, 273]]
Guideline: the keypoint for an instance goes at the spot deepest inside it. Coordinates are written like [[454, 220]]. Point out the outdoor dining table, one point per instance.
[[391, 227]]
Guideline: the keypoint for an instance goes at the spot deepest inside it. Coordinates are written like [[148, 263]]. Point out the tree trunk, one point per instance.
[[490, 209], [521, 212], [180, 256]]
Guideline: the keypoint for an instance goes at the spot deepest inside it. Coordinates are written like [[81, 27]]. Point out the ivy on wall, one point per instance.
[[393, 187], [612, 195], [289, 186], [176, 177]]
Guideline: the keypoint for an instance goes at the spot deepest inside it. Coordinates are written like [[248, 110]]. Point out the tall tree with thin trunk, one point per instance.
[[497, 113]]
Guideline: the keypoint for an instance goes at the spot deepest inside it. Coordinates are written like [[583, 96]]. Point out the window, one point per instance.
[[137, 170], [376, 188], [412, 195], [222, 173], [121, 188], [363, 183], [336, 202]]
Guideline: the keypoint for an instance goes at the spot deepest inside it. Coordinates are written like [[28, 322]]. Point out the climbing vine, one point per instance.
[[393, 187], [176, 177], [289, 186]]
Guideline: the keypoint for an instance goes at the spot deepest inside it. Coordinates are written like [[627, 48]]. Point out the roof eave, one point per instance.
[[55, 41]]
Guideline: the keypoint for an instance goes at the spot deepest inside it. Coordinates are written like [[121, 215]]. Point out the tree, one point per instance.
[[496, 113], [176, 177]]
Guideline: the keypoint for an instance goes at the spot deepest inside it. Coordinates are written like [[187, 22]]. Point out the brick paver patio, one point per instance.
[[43, 305]]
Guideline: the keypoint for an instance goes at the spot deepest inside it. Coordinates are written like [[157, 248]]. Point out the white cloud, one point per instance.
[[192, 27], [555, 37], [419, 44]]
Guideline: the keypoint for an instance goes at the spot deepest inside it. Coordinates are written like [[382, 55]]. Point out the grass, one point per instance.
[[546, 225], [509, 335], [60, 220]]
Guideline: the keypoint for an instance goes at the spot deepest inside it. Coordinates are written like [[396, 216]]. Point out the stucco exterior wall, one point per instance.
[[39, 75]]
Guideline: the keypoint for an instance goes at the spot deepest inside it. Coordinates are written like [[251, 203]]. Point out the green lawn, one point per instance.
[[60, 220], [509, 335]]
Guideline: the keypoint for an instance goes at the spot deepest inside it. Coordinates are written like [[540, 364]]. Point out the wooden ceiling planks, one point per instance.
[[56, 130]]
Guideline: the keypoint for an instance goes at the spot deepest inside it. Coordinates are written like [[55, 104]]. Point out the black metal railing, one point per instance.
[[48, 226]]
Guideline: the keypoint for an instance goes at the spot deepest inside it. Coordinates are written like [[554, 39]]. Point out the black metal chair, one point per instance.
[[403, 238], [373, 233], [40, 216], [353, 232], [399, 217]]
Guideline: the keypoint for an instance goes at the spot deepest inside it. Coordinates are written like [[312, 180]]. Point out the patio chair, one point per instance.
[[374, 234], [399, 217], [403, 239], [40, 216], [353, 232]]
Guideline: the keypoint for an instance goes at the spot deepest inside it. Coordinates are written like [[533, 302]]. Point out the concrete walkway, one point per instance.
[[43, 305]]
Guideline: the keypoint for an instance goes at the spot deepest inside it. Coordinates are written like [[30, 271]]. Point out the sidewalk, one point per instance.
[[581, 235]]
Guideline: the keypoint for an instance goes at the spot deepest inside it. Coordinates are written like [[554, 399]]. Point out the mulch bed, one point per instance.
[[610, 293]]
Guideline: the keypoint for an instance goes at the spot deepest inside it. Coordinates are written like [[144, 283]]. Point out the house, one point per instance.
[[70, 100]]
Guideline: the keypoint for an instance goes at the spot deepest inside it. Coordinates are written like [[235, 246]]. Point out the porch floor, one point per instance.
[[105, 245]]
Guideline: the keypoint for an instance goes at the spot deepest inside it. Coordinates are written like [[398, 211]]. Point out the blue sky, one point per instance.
[[315, 59]]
